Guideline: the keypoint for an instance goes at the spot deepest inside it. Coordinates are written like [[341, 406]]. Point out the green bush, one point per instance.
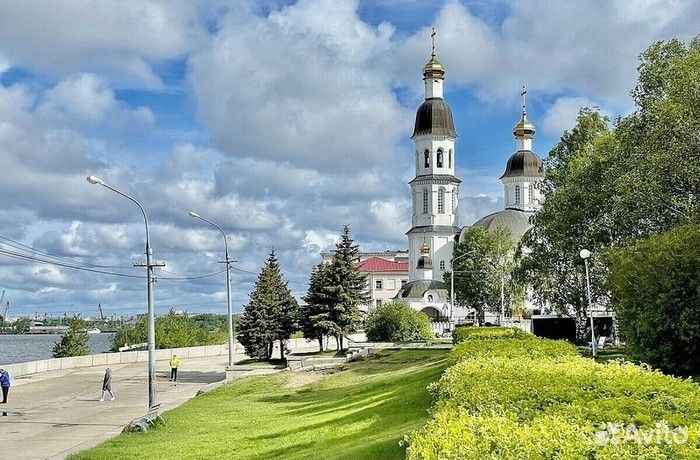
[[397, 322], [462, 333], [528, 346], [656, 294], [532, 398], [74, 342], [172, 331]]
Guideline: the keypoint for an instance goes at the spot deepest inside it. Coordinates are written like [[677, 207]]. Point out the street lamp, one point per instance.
[[149, 285], [585, 254], [452, 279], [228, 262]]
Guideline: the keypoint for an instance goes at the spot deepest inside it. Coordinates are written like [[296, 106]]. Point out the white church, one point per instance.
[[435, 192]]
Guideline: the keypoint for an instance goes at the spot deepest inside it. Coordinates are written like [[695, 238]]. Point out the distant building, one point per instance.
[[386, 272]]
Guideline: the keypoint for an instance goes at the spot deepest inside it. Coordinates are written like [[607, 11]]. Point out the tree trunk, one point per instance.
[[320, 343], [337, 342], [281, 349], [341, 342], [270, 346]]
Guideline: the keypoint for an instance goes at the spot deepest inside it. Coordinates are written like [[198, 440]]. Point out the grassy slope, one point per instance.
[[357, 413]]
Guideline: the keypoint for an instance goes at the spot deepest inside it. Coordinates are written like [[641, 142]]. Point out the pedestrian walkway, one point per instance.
[[53, 414]]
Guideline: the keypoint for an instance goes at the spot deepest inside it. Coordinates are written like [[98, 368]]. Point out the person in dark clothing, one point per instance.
[[107, 385], [4, 384]]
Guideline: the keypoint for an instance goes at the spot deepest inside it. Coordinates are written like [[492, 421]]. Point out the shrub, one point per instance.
[[172, 331], [529, 346], [656, 293], [397, 322], [74, 342], [525, 397], [462, 333]]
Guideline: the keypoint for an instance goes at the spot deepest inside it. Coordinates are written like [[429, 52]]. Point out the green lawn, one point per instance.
[[359, 412]]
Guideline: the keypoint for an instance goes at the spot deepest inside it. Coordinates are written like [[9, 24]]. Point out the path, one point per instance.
[[52, 414]]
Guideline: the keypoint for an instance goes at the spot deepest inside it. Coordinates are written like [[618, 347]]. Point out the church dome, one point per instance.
[[434, 117], [524, 163], [433, 68], [524, 128], [515, 220]]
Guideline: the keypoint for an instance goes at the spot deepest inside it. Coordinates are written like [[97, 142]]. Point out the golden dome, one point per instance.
[[433, 68], [425, 249], [524, 128]]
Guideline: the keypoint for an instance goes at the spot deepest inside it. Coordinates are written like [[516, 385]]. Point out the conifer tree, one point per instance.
[[74, 342], [271, 315], [315, 319], [345, 287]]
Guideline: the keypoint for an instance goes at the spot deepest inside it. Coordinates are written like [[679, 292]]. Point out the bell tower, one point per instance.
[[435, 189]]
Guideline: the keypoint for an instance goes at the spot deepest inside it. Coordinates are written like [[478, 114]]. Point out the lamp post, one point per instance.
[[452, 279], [149, 287], [585, 254], [228, 262]]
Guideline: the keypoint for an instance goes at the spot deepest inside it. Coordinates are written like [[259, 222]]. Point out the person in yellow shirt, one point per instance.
[[174, 364]]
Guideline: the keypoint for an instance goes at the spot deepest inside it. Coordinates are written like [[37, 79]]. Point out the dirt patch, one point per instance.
[[299, 379]]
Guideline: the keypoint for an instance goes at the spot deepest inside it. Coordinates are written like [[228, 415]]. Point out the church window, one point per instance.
[[517, 194], [425, 201], [441, 201], [439, 158], [531, 194], [442, 265], [378, 285], [430, 297], [403, 283], [449, 159], [426, 156]]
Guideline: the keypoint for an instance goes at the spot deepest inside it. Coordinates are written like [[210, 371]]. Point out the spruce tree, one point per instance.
[[346, 287], [271, 315], [315, 318], [74, 342]]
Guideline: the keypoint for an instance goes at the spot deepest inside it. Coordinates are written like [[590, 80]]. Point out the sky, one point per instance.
[[279, 121]]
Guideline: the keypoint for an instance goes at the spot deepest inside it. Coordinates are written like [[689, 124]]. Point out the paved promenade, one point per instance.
[[52, 414]]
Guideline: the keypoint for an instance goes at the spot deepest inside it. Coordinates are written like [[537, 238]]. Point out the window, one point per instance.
[[531, 194], [425, 201], [403, 283], [449, 159], [430, 297], [517, 194], [378, 285], [442, 265], [441, 201], [439, 158], [454, 200], [426, 156]]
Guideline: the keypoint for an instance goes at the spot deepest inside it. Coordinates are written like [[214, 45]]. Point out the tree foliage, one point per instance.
[[336, 289], [656, 295], [172, 331], [486, 261], [271, 315], [397, 322], [74, 342], [606, 186]]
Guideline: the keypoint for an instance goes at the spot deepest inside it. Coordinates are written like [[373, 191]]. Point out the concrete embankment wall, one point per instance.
[[128, 357]]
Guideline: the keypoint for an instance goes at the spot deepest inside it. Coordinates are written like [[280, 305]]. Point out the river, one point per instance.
[[32, 347]]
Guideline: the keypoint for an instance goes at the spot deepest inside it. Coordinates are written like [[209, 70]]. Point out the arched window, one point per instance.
[[426, 154], [441, 201], [517, 194], [439, 158], [449, 159], [425, 201], [531, 194], [442, 265], [454, 200]]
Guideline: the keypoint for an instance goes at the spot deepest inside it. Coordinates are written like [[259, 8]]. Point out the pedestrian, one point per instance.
[[174, 364], [107, 385], [5, 384]]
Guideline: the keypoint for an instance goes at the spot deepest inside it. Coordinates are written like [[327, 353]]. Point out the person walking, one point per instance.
[[107, 385], [174, 364], [4, 384]]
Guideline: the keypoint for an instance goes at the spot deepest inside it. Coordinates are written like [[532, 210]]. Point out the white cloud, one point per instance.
[[561, 116]]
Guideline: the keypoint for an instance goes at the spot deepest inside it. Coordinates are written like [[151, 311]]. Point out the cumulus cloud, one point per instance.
[[123, 40], [561, 115]]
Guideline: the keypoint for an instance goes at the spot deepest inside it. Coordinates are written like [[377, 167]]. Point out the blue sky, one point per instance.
[[281, 121]]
